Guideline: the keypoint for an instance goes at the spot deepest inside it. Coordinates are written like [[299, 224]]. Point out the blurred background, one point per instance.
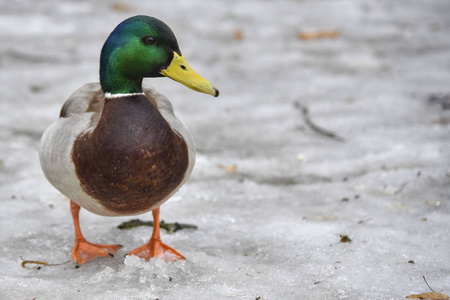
[[322, 169]]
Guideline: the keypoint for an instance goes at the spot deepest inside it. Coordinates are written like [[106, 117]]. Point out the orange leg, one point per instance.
[[83, 251], [155, 247]]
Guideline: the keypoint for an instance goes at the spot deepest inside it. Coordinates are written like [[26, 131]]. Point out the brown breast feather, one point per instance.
[[133, 159]]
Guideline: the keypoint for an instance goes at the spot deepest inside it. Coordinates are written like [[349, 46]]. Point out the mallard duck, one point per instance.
[[117, 148]]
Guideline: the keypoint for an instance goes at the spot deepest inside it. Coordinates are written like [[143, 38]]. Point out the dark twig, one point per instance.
[[170, 227], [428, 284], [37, 262], [400, 189], [304, 110]]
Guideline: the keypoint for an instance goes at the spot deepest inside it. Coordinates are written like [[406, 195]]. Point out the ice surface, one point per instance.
[[270, 229]]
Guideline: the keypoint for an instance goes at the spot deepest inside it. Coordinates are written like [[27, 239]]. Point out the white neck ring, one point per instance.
[[112, 96]]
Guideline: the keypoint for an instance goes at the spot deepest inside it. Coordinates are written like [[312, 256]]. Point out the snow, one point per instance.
[[271, 228]]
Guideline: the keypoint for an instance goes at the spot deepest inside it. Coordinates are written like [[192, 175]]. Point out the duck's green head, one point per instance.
[[143, 46]]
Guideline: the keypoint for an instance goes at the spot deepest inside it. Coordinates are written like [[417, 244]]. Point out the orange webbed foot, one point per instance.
[[156, 248], [83, 251]]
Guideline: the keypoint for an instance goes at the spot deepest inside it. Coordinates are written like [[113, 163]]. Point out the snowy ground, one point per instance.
[[271, 228]]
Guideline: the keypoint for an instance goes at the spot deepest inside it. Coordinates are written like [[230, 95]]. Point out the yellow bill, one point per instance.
[[180, 71]]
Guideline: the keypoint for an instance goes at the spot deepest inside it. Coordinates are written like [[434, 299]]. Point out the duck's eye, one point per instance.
[[149, 40]]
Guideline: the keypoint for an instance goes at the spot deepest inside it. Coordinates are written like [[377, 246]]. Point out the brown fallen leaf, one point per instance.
[[120, 7], [34, 262], [430, 296], [229, 169], [345, 239], [323, 218], [38, 262], [319, 34], [442, 121], [238, 34]]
